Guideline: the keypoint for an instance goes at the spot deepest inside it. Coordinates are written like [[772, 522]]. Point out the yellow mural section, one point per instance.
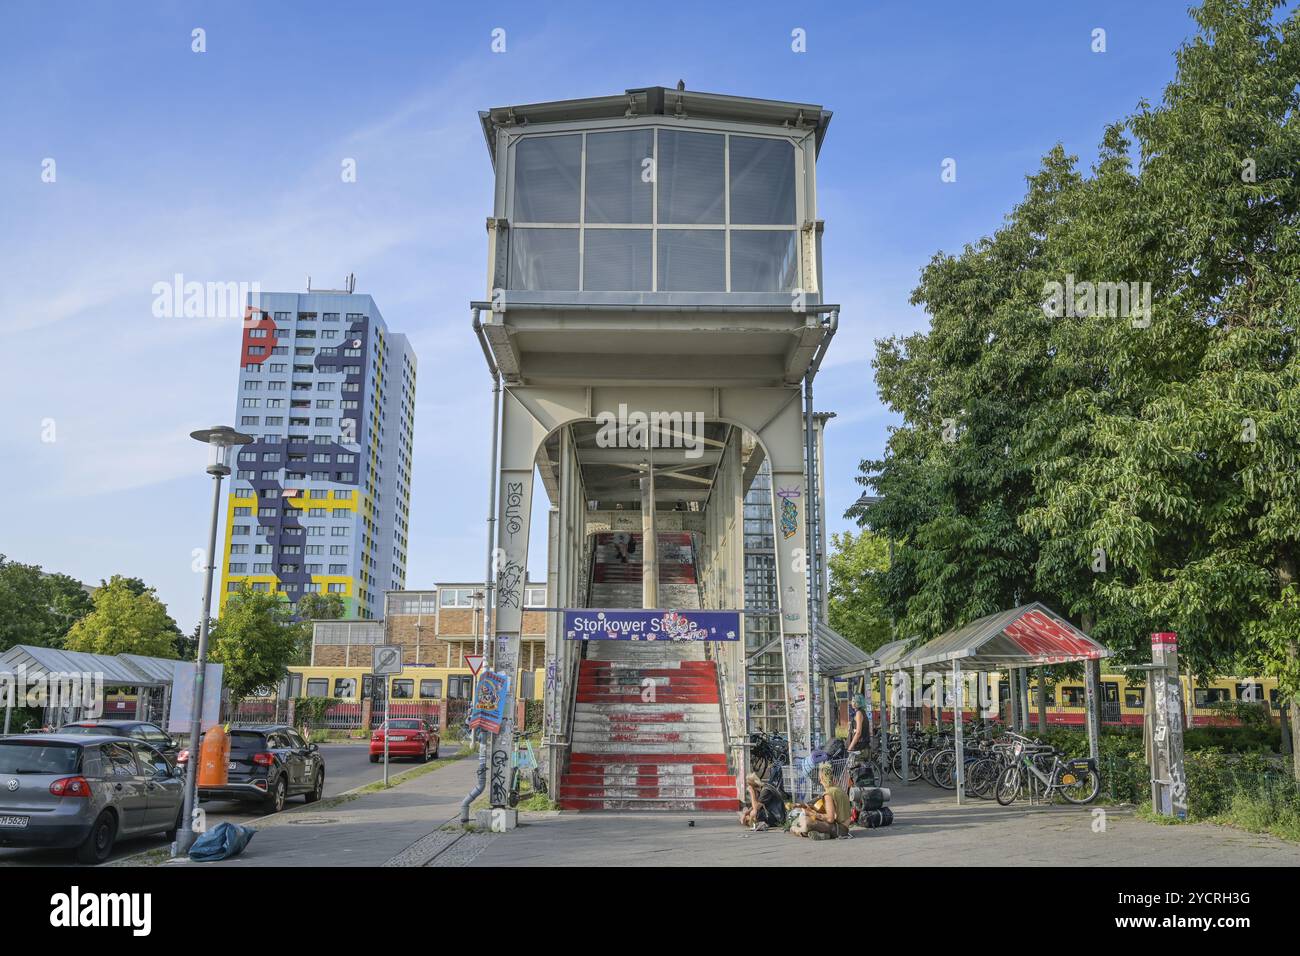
[[335, 499]]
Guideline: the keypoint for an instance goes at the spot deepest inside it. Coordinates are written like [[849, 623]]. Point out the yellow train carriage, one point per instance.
[[414, 684], [1119, 700]]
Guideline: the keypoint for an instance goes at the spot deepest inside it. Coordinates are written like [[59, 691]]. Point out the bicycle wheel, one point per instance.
[[1008, 786], [981, 777], [1076, 786], [945, 770], [927, 766], [913, 766]]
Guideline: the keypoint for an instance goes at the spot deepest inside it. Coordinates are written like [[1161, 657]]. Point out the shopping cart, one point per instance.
[[802, 781]]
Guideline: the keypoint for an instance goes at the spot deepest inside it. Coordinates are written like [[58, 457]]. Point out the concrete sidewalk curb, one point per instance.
[[290, 815]]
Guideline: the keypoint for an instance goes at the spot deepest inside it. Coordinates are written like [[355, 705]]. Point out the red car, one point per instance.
[[407, 737]]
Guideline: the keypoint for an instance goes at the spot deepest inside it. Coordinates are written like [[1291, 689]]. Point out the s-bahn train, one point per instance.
[[1120, 701], [414, 684]]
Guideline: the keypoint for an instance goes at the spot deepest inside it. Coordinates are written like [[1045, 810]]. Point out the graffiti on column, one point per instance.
[[497, 794], [509, 583], [789, 511], [514, 509]]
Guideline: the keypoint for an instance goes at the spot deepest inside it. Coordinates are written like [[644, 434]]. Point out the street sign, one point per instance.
[[621, 624], [474, 662], [388, 659]]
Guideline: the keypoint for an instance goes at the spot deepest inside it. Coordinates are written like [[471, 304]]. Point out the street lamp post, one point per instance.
[[220, 439]]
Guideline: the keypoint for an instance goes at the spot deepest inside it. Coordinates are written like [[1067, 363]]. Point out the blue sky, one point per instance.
[[224, 166]]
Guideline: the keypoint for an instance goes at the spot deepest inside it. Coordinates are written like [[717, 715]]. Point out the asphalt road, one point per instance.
[[346, 766]]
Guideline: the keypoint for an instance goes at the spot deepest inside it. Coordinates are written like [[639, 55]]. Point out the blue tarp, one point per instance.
[[222, 841]]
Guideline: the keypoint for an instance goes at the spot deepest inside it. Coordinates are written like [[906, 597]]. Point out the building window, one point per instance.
[[681, 215]]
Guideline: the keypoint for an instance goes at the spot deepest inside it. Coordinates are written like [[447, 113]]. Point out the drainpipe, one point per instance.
[[831, 325], [489, 578]]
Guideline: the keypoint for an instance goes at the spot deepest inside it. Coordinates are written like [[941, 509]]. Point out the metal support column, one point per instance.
[[1042, 699], [959, 770], [1091, 671]]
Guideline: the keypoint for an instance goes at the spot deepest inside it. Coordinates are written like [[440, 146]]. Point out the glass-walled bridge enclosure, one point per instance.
[[653, 321]]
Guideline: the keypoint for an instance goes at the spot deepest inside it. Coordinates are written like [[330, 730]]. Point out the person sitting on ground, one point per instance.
[[858, 738], [834, 818], [766, 806]]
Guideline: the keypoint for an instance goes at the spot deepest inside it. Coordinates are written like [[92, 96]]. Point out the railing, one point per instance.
[[429, 710], [259, 711]]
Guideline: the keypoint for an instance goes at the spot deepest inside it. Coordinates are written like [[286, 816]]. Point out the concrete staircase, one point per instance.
[[647, 731], [616, 578]]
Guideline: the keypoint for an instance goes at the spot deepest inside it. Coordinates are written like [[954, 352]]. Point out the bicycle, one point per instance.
[[1076, 779], [522, 760]]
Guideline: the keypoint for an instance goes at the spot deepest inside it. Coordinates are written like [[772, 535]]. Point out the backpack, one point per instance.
[[875, 819], [836, 750]]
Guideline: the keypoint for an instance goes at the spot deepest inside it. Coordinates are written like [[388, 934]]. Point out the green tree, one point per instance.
[[256, 639], [857, 608], [320, 607], [124, 622], [1138, 470], [38, 608]]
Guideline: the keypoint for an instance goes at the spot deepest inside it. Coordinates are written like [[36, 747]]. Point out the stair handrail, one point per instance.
[[720, 674], [564, 740]]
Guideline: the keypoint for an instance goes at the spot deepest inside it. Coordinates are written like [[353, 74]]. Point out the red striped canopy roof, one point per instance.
[[1021, 637]]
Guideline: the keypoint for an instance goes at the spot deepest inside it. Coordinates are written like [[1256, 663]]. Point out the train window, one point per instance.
[[1135, 696], [1051, 697], [460, 686], [1073, 696], [1273, 699], [403, 689], [345, 687], [318, 687], [1209, 696], [431, 689], [1250, 692]]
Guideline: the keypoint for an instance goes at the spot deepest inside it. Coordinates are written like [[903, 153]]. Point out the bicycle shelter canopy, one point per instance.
[[1029, 636]]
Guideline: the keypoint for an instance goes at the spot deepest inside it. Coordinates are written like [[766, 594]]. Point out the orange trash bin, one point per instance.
[[214, 758]]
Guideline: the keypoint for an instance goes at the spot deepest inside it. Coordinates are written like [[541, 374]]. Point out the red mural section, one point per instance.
[[259, 334]]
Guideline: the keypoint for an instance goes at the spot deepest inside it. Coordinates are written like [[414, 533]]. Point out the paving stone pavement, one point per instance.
[[393, 827], [407, 826], [929, 830]]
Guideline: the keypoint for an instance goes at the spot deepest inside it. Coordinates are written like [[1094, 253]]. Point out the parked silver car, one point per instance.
[[84, 792]]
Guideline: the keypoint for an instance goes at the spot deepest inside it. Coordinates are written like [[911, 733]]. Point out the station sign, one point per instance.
[[623, 624]]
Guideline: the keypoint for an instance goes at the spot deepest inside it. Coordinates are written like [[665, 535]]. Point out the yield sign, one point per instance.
[[475, 662]]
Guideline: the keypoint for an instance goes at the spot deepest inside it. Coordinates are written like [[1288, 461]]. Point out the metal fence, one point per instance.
[[431, 711], [259, 711]]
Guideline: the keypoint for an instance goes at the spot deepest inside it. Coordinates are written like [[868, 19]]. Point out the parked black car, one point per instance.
[[151, 734], [268, 764]]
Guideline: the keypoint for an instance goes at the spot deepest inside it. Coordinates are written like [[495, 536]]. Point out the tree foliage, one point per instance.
[[1137, 471], [38, 608], [256, 639], [125, 620], [857, 607]]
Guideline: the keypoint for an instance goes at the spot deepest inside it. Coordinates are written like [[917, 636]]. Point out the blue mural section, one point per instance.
[[282, 524]]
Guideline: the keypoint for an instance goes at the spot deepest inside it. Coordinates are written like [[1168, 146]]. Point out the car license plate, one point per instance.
[[396, 740], [11, 821]]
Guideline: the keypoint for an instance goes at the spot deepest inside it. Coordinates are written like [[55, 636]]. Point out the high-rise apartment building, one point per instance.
[[320, 501]]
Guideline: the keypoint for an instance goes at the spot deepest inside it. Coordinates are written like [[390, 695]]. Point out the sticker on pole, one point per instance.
[[474, 662], [388, 659]]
